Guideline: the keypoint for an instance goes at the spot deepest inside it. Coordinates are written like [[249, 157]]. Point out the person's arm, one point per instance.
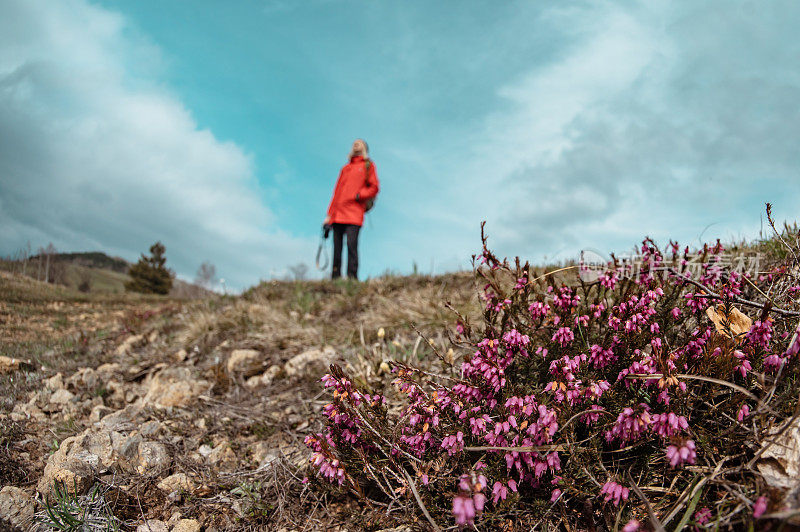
[[371, 187], [334, 198]]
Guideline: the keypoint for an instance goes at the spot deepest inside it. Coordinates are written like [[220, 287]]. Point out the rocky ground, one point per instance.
[[157, 414]]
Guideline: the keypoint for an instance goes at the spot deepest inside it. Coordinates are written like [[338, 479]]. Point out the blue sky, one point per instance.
[[219, 128]]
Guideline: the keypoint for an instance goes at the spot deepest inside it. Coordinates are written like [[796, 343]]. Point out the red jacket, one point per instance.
[[353, 182]]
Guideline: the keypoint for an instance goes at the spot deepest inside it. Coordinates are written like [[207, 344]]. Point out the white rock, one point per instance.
[[186, 525], [314, 362], [98, 413], [9, 365], [17, 507], [176, 482], [222, 455], [266, 378], [153, 456], [56, 382], [152, 525], [244, 362], [129, 343], [174, 387], [72, 465], [62, 397]]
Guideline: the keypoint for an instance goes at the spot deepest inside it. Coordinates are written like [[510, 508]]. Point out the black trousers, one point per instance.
[[339, 231]]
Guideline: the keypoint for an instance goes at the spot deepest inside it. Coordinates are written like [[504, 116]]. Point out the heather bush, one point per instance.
[[641, 398]]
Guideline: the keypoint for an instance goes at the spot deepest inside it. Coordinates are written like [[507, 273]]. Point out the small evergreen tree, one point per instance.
[[150, 275]]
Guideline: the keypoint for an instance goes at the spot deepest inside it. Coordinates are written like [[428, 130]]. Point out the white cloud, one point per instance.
[[657, 119], [92, 157]]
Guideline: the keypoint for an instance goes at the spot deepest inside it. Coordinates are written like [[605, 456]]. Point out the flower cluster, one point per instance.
[[470, 500], [626, 374], [613, 491], [685, 453]]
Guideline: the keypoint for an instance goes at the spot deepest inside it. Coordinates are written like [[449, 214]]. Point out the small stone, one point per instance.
[[263, 453], [313, 362], [66, 466], [62, 397], [17, 507], [223, 455], [98, 413], [174, 387], [56, 382], [244, 362], [109, 368], [266, 378], [186, 525], [126, 346], [152, 457], [205, 450], [177, 482], [150, 428], [10, 365], [152, 525]]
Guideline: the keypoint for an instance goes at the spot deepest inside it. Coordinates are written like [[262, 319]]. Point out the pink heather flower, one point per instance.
[[760, 333], [744, 365], [772, 362], [668, 424], [609, 279], [703, 515], [696, 303], [499, 492], [470, 501], [596, 389], [632, 526], [760, 506], [744, 411], [539, 310], [630, 424], [615, 491], [592, 417], [566, 299], [600, 357], [564, 336], [556, 494], [685, 454], [464, 510], [676, 312]]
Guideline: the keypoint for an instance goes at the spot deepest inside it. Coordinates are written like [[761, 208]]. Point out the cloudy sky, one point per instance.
[[219, 127]]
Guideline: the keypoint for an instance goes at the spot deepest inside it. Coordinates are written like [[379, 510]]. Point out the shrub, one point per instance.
[[150, 275], [69, 512], [648, 391]]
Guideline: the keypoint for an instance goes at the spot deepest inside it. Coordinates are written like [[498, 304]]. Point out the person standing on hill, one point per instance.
[[354, 194]]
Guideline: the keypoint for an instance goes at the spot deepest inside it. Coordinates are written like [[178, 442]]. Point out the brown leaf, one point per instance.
[[735, 323]]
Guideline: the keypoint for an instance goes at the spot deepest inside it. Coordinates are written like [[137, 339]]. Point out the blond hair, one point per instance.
[[366, 149]]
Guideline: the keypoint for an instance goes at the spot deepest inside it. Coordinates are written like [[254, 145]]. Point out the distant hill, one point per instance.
[[95, 259], [95, 272]]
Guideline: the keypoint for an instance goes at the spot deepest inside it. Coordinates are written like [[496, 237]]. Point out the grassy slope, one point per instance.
[[280, 319]]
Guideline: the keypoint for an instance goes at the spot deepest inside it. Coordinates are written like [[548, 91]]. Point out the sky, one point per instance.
[[219, 128]]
